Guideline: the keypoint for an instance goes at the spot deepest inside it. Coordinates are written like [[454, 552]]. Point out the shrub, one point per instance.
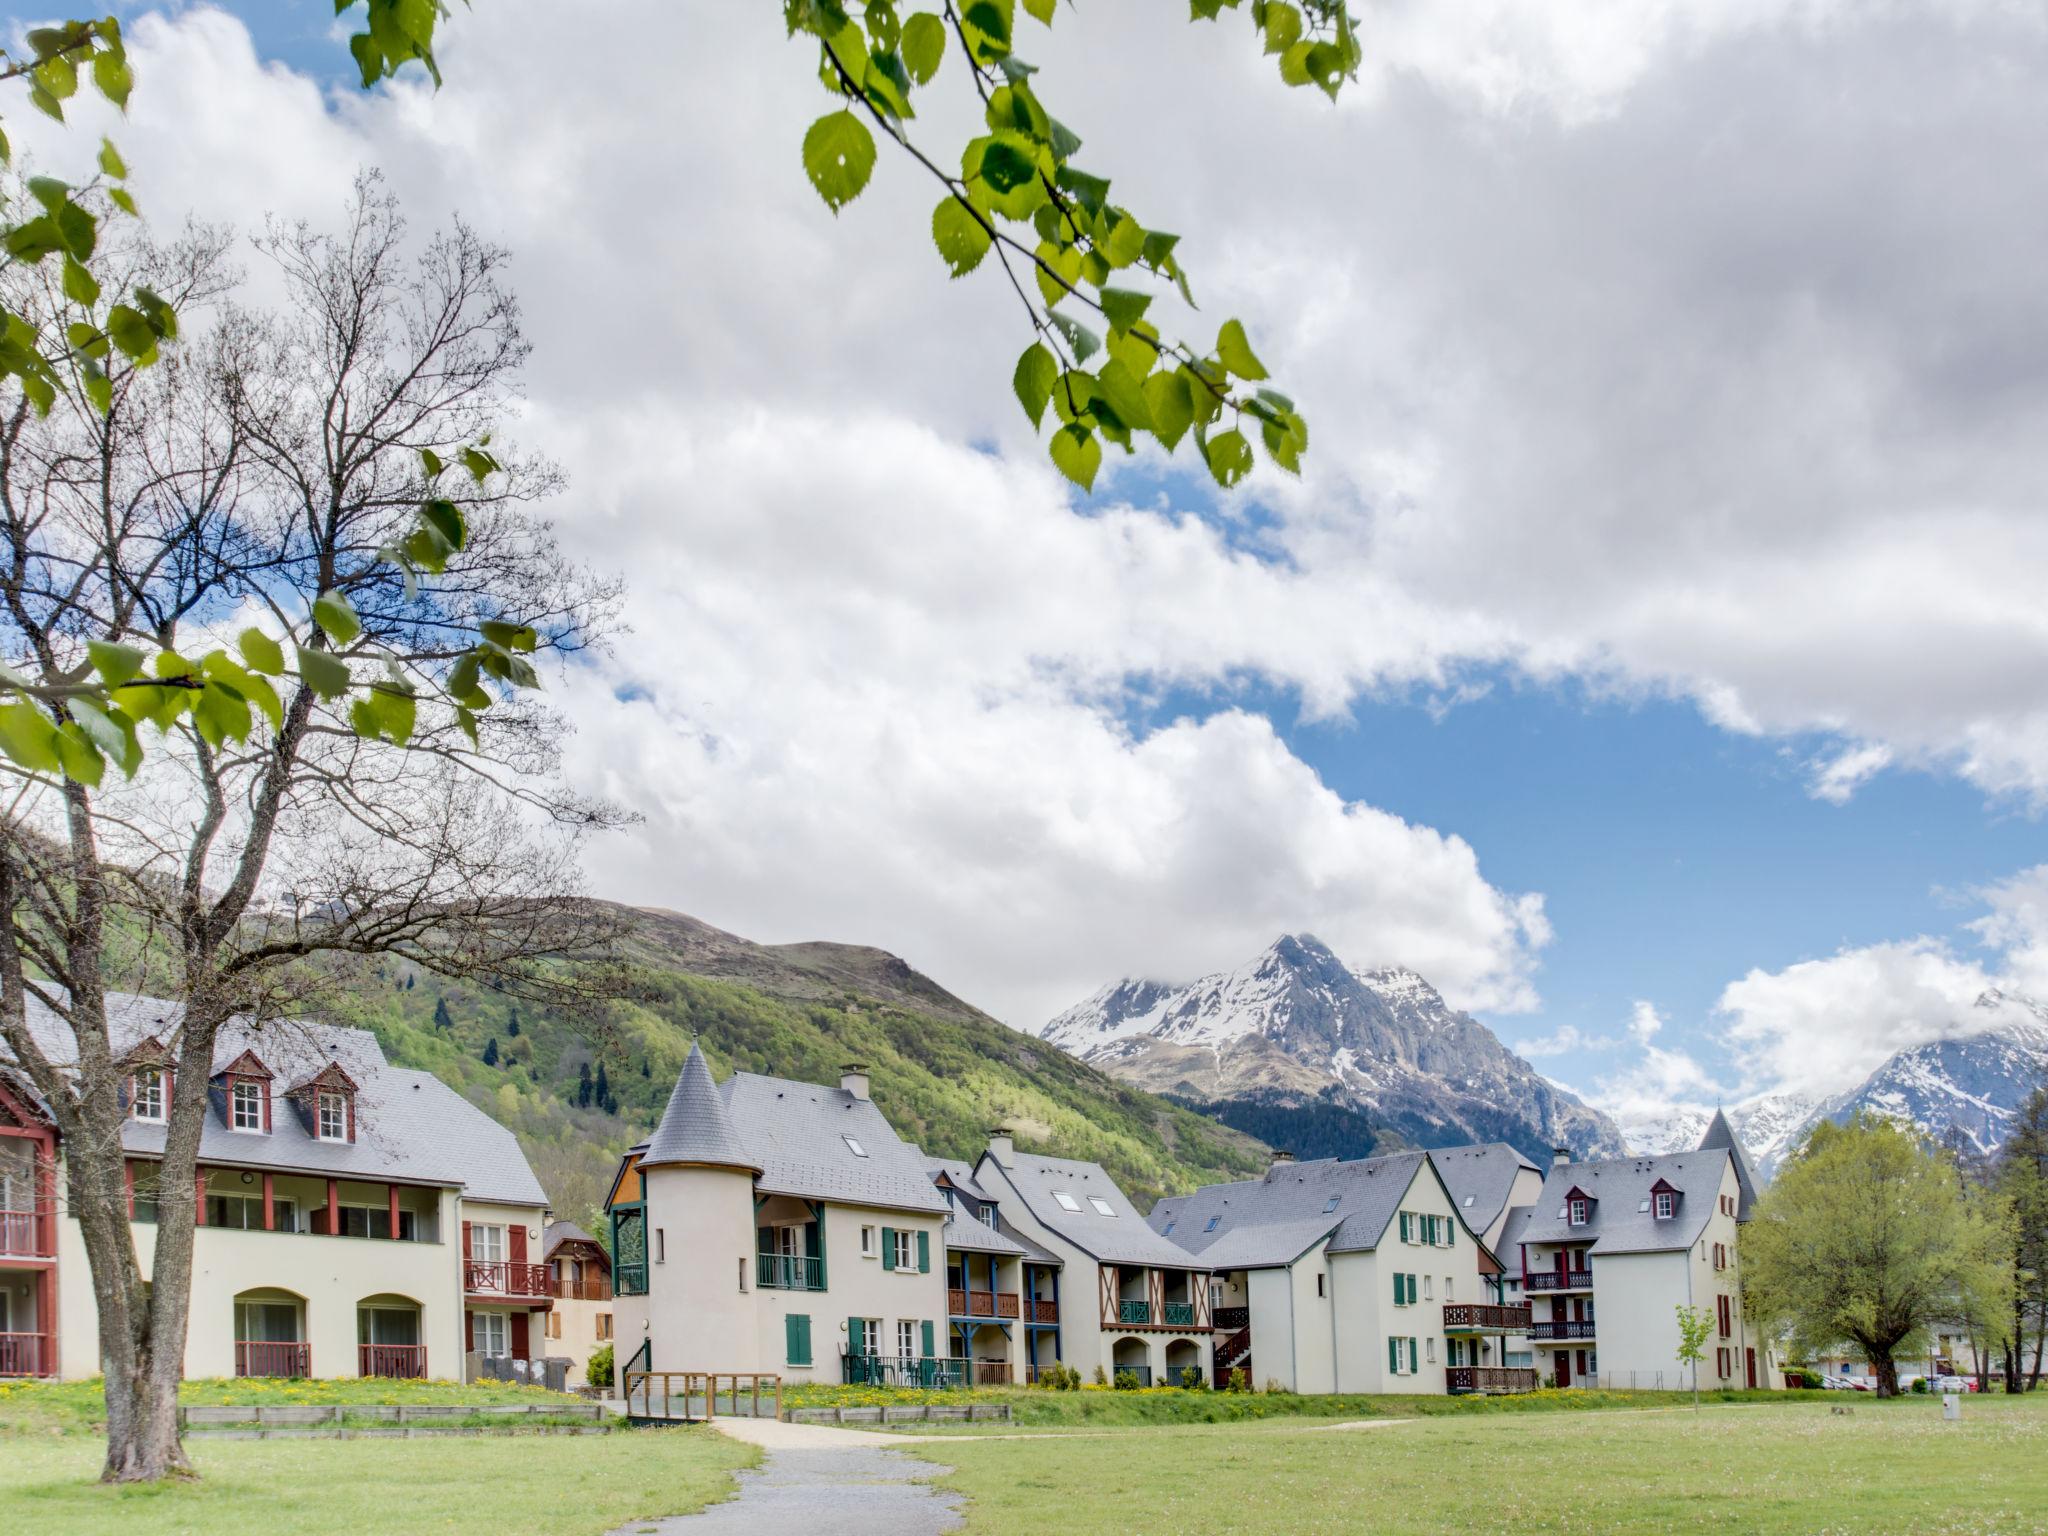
[[1239, 1382], [1191, 1376], [599, 1372], [1920, 1384], [1101, 1377], [1127, 1381], [1273, 1384]]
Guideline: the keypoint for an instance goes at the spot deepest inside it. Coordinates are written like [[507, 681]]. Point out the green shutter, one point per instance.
[[1411, 1357], [796, 1328], [1393, 1354], [1451, 1234], [814, 1242], [1404, 1226], [888, 1247], [926, 1326], [924, 1255], [853, 1331]]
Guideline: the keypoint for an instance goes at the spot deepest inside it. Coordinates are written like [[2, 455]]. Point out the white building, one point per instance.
[[580, 1284], [1609, 1251], [1002, 1289], [356, 1218]]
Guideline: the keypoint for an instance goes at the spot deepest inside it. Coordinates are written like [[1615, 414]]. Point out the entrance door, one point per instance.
[[1750, 1361], [1564, 1367]]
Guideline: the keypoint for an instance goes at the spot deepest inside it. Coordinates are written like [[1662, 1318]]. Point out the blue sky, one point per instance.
[[1666, 416]]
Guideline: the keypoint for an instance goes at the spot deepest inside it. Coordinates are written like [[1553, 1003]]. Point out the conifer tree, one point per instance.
[[584, 1092], [604, 1090], [491, 1051], [441, 1018]]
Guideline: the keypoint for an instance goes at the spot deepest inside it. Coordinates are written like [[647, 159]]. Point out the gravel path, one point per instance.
[[834, 1489]]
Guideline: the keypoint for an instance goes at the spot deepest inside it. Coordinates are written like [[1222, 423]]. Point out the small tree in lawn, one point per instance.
[[1694, 1326]]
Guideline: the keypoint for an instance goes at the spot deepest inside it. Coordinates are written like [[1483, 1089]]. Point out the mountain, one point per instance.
[[1767, 1126], [1297, 1029], [942, 1070]]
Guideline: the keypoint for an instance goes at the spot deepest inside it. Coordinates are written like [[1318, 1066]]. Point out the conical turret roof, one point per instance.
[[696, 1127], [1720, 1134]]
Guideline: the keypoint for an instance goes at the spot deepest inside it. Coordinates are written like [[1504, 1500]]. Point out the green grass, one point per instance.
[[1785, 1469], [78, 1408], [572, 1486]]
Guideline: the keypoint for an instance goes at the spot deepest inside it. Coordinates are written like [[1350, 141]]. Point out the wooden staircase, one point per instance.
[[1235, 1354]]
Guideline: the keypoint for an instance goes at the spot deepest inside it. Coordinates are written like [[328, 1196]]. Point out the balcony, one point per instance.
[[1036, 1311], [273, 1359], [22, 1354], [493, 1277], [1483, 1317], [1001, 1304], [789, 1272], [581, 1290], [1135, 1314], [630, 1279], [21, 1235], [1552, 1280], [1230, 1319], [1179, 1314], [988, 1373], [1460, 1379], [399, 1362], [1554, 1332]]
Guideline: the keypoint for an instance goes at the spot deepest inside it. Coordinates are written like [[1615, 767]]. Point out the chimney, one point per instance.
[[1282, 1161], [999, 1147], [1559, 1156], [853, 1077]]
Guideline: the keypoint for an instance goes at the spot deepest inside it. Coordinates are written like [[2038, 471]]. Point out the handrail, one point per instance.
[[21, 1354], [789, 1272], [497, 1277], [399, 1362], [704, 1385]]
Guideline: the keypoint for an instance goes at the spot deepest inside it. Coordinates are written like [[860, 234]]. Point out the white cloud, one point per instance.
[[1836, 779], [1659, 1080]]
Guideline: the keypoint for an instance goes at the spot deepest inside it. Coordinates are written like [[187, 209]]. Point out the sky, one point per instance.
[[1652, 653]]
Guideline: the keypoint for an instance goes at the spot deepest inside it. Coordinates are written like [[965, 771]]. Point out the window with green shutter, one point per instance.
[[927, 1340], [924, 1256], [888, 1247], [1394, 1355], [1411, 1357], [796, 1330], [1407, 1227]]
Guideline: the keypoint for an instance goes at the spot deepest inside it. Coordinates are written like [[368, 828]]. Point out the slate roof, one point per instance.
[[410, 1126], [1721, 1134], [696, 1128], [967, 1233], [1123, 1238], [1623, 1218], [1480, 1179], [1266, 1222], [795, 1134]]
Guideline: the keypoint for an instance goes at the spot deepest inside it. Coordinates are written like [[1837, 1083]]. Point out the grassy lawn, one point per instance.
[[77, 1407], [1789, 1468], [491, 1487]]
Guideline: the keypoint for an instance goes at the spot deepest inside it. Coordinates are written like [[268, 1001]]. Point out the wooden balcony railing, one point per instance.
[[401, 1362], [1553, 1331], [789, 1272], [21, 1234], [487, 1277], [21, 1354], [1230, 1319], [1484, 1317], [991, 1373], [1489, 1378], [581, 1290], [960, 1303], [1036, 1311], [273, 1359], [1551, 1280]]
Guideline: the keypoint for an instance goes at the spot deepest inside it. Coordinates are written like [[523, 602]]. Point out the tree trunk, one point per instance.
[[2040, 1338], [2012, 1368], [1887, 1372]]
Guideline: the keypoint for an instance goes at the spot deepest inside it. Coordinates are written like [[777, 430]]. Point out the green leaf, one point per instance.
[[430, 463], [1236, 353], [29, 737], [923, 45], [259, 692], [1091, 192], [481, 465], [1065, 261], [1124, 307], [80, 286], [261, 652], [1077, 454], [1173, 411], [323, 672], [1042, 9], [111, 161], [512, 637], [1082, 341], [337, 617], [114, 662], [35, 239], [445, 518], [959, 235], [111, 730], [115, 80], [221, 714], [386, 713], [1230, 458], [1007, 162], [1115, 387], [79, 758], [986, 26], [124, 200], [1037, 372], [1282, 26], [839, 156], [131, 333], [466, 718]]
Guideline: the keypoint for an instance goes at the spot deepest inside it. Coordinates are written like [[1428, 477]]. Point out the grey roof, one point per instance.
[[410, 1126], [796, 1134], [1623, 1218], [1123, 1238], [1480, 1179], [696, 1127], [1261, 1223], [961, 1174], [1720, 1134], [559, 1232], [971, 1235]]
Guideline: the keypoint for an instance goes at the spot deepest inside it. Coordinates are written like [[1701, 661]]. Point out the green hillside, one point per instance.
[[941, 1071]]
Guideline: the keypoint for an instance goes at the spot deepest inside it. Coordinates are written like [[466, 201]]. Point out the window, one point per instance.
[[906, 1341], [867, 1243], [855, 1147], [1066, 1201], [247, 1112], [238, 1213], [333, 1119], [1447, 1287], [486, 1243], [661, 1245], [488, 1334], [1404, 1290], [1666, 1205], [1720, 1256], [1723, 1311], [1468, 1200], [1429, 1350], [1167, 1231], [990, 1219], [604, 1326], [1578, 1212], [1102, 1206], [1319, 1285], [1211, 1227], [1642, 1205], [867, 1340], [554, 1328], [906, 1248], [149, 1094], [796, 1337], [1428, 1288], [1330, 1204]]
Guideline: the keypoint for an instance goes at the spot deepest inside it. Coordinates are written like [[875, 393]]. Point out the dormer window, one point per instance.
[[245, 1107], [150, 1101], [1575, 1210], [1667, 1205], [990, 1220], [333, 1117]]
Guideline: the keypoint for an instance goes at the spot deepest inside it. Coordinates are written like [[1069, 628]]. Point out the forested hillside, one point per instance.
[[579, 1092]]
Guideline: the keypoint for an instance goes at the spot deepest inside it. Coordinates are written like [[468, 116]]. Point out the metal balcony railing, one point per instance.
[[789, 1272]]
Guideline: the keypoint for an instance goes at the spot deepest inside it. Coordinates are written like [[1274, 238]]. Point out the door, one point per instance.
[[1749, 1362], [1564, 1367]]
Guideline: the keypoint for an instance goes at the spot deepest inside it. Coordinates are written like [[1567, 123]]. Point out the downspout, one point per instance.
[[1293, 1335], [1330, 1268]]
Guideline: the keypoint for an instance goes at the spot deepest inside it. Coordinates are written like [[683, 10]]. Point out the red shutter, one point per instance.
[[266, 1107], [348, 1102], [517, 1251], [465, 1239], [519, 1336], [468, 1329]]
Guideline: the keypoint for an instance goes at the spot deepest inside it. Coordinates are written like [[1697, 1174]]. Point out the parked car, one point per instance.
[[1953, 1384]]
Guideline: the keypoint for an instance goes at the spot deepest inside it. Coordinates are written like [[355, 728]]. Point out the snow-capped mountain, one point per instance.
[[1766, 1126], [1297, 1022]]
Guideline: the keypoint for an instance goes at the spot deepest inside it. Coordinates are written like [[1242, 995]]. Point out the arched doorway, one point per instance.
[[1130, 1355], [270, 1334], [1183, 1356], [389, 1341]]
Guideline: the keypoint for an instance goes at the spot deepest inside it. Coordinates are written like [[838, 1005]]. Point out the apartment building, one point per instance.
[[1488, 1182], [580, 1285], [1134, 1301], [355, 1218], [1002, 1289], [1353, 1276], [1607, 1253], [776, 1226]]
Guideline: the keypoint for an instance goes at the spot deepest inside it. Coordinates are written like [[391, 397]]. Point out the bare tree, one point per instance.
[[271, 459]]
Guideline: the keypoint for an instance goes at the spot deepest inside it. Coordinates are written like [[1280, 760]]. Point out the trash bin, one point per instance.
[[1951, 1405]]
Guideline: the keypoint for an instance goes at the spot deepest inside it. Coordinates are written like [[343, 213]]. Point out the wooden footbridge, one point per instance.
[[696, 1397]]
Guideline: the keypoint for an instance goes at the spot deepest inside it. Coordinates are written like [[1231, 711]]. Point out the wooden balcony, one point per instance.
[[581, 1290], [1552, 1280], [27, 1354], [22, 1235], [399, 1362], [1489, 1378], [989, 1373], [486, 1277], [1554, 1332], [1230, 1319], [1484, 1317], [273, 1359], [1000, 1304], [1036, 1311]]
